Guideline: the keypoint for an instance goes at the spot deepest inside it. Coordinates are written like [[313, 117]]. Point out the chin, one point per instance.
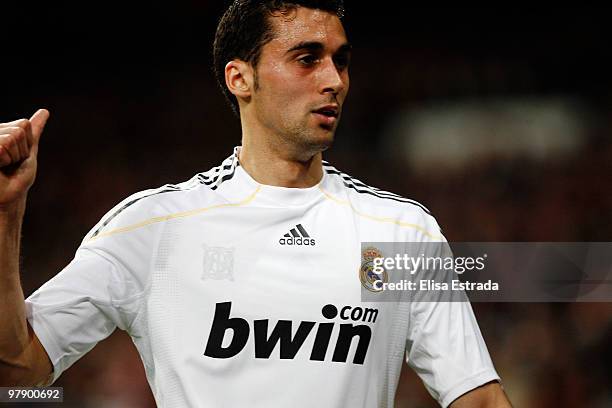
[[316, 143], [322, 142]]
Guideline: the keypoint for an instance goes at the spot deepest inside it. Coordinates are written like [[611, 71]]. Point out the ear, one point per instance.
[[239, 78]]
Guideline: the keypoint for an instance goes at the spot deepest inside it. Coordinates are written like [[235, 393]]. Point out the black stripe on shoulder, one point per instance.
[[170, 188], [223, 175], [363, 185], [357, 182], [223, 179], [352, 186], [213, 173], [331, 169], [215, 179], [363, 188]]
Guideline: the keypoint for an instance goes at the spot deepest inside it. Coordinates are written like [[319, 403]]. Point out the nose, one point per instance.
[[332, 79]]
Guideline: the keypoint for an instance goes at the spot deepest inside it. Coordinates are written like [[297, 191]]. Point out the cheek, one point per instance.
[[278, 78], [285, 83], [283, 94], [347, 83], [287, 97]]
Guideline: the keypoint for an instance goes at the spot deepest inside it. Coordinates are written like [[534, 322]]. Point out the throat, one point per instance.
[[273, 170]]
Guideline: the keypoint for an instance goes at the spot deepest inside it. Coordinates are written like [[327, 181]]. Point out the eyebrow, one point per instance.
[[317, 46]]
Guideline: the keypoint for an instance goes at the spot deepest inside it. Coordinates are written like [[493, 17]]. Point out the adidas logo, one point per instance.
[[297, 236]]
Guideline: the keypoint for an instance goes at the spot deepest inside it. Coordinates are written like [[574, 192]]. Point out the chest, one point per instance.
[[289, 280]]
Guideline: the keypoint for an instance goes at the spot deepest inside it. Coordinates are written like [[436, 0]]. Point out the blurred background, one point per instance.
[[499, 120]]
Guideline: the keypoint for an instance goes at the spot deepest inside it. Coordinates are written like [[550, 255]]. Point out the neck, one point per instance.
[[280, 164]]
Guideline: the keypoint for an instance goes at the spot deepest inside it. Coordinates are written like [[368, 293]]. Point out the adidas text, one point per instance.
[[297, 236], [297, 241]]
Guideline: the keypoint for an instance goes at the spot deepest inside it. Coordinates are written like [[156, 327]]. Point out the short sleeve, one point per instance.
[[99, 290], [79, 307], [446, 349], [444, 344]]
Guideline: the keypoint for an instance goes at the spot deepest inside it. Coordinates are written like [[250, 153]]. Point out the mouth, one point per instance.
[[327, 114], [330, 111]]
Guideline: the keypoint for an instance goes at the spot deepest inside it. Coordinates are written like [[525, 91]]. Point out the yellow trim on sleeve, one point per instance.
[[381, 219], [176, 215]]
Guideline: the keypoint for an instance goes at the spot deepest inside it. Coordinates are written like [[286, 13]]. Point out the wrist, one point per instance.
[[12, 213]]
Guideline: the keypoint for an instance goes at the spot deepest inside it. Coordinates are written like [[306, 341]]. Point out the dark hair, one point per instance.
[[245, 28]]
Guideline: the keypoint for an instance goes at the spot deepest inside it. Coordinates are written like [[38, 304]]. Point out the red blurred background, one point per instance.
[[498, 120]]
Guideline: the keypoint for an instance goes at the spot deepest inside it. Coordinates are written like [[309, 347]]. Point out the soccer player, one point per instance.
[[241, 287]]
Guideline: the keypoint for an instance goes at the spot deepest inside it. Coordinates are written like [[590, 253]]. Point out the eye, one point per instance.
[[308, 60], [342, 61]]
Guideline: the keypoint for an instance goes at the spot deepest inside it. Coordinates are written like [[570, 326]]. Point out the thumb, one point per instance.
[[38, 121]]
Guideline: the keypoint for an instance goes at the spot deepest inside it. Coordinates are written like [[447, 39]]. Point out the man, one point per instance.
[[239, 287]]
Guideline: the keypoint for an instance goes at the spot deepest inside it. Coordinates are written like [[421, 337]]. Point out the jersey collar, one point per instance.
[[243, 185]]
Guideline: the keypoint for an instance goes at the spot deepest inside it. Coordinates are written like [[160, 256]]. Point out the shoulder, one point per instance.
[[373, 194], [161, 202], [381, 205]]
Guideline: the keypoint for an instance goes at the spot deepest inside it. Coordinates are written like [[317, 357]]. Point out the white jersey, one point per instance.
[[238, 294]]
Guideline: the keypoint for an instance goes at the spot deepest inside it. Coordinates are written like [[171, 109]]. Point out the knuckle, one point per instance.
[[24, 124], [15, 134], [19, 132], [8, 141]]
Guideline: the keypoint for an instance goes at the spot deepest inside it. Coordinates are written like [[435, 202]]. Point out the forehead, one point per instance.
[[304, 24]]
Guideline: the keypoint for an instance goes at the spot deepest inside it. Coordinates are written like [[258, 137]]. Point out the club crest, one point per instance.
[[367, 275]]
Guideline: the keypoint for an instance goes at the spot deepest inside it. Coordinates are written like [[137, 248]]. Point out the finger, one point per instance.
[[22, 123], [5, 159], [11, 124], [11, 144], [20, 135], [20, 138], [38, 121], [26, 125], [23, 142]]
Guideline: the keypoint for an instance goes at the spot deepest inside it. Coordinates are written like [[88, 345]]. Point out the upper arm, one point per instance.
[[79, 307], [490, 395], [100, 290], [444, 345], [447, 351]]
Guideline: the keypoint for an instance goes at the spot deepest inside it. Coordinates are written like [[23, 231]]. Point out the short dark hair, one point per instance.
[[245, 28]]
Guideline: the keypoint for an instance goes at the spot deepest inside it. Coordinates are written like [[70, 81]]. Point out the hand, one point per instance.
[[18, 151]]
